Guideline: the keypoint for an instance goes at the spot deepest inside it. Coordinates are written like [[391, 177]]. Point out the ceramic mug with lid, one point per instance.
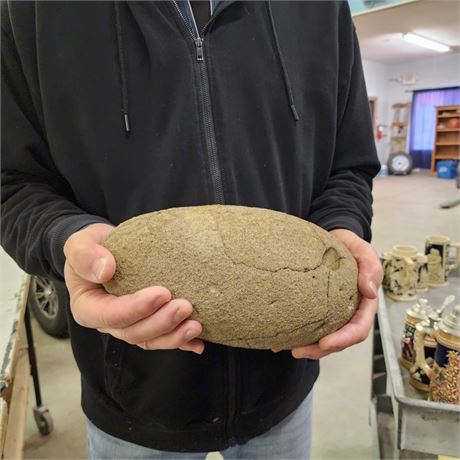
[[414, 315], [442, 257]]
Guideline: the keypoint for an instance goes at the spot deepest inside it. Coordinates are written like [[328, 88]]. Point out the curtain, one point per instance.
[[423, 121]]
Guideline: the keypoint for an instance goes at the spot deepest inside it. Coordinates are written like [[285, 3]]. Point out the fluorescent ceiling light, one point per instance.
[[426, 43]]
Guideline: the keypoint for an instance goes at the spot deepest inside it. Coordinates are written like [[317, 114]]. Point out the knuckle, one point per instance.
[[179, 342], [166, 324], [73, 245], [80, 250]]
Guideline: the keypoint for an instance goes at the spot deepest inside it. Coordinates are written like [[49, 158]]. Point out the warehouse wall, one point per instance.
[[435, 72], [438, 71], [377, 81]]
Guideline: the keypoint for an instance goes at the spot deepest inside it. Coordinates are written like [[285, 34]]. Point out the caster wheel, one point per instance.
[[43, 420]]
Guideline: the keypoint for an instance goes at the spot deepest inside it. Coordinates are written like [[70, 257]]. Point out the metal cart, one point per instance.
[[405, 424]]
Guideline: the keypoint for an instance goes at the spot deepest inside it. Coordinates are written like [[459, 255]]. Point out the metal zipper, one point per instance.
[[216, 178], [211, 145], [231, 396], [208, 121]]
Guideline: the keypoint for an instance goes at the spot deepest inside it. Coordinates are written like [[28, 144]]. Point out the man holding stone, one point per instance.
[[114, 109]]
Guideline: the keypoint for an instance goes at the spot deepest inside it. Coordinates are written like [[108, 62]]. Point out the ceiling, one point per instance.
[[380, 32]]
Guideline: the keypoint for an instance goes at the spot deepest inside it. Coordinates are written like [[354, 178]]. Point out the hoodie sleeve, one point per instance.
[[38, 211], [346, 201]]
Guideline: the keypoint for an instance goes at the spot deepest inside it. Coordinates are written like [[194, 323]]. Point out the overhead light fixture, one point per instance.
[[426, 43]]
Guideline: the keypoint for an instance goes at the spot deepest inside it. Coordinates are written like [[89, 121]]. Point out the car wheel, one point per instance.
[[400, 163], [49, 301]]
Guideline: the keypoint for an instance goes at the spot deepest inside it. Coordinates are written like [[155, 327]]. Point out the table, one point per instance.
[[403, 421], [17, 362]]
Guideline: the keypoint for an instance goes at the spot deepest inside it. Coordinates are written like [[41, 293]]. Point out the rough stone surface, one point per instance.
[[256, 278]]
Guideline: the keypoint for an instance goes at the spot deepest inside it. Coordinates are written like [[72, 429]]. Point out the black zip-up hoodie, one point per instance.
[[113, 109]]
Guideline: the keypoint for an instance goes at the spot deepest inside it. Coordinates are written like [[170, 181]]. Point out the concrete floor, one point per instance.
[[406, 210]]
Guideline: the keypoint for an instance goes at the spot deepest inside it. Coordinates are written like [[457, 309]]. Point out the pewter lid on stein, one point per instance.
[[451, 323], [429, 323], [420, 309], [435, 315]]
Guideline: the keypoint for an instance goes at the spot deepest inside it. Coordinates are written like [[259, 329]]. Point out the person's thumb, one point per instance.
[[87, 257]]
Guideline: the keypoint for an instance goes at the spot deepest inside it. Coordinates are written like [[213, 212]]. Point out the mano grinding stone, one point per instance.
[[256, 278]]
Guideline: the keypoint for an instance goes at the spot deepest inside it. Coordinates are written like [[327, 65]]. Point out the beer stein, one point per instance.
[[444, 374], [424, 340], [400, 268], [425, 346], [437, 249], [423, 277], [414, 314]]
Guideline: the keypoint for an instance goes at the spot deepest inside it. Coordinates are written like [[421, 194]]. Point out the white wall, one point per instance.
[[438, 71], [377, 77], [435, 72]]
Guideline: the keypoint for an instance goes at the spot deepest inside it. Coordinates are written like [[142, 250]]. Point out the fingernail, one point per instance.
[[198, 352], [98, 268], [373, 287]]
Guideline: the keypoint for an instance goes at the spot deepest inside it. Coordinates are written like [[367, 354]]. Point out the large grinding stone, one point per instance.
[[256, 278]]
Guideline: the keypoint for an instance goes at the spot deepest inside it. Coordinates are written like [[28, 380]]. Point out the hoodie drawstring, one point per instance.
[[285, 75], [122, 68]]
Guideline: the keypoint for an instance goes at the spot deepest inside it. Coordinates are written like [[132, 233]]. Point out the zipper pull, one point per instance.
[[199, 49]]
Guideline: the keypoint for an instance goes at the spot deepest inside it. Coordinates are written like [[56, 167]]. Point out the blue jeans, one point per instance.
[[290, 439]]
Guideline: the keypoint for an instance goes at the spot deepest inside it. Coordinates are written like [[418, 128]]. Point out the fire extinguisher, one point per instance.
[[379, 132]]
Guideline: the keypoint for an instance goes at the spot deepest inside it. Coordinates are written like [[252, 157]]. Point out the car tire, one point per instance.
[[49, 303], [400, 164]]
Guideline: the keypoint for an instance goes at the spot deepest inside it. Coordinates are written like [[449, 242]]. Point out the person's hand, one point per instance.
[[369, 279], [148, 318]]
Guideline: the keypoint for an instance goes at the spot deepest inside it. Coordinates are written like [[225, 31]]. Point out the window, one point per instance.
[[423, 121]]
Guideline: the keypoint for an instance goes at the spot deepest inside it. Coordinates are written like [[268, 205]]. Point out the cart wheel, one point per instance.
[[43, 420]]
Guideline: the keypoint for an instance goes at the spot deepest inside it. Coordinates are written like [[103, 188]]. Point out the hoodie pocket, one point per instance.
[[169, 390]]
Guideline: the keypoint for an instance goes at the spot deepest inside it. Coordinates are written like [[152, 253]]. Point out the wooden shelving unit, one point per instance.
[[447, 135], [399, 125]]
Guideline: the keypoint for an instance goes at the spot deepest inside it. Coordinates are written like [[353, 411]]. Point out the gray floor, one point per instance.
[[406, 210]]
